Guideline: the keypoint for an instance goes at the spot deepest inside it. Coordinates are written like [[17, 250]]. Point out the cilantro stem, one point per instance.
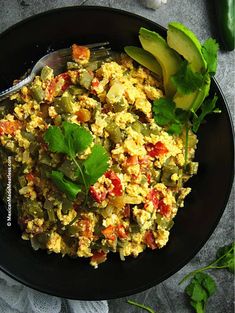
[[146, 308], [83, 178], [186, 145], [208, 267], [86, 191]]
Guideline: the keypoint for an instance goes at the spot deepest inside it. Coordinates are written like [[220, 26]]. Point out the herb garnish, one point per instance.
[[209, 50], [142, 306], [225, 259], [202, 285], [72, 139], [166, 114], [207, 107], [186, 80]]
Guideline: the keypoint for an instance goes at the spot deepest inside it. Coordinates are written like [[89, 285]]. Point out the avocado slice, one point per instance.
[[169, 60], [144, 58], [185, 42]]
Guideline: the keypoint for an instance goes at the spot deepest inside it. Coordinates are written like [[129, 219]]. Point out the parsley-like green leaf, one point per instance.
[[164, 111], [55, 140], [77, 138], [175, 128], [207, 107], [209, 51], [185, 80], [166, 114], [69, 188], [201, 287], [96, 164], [70, 139], [226, 257]]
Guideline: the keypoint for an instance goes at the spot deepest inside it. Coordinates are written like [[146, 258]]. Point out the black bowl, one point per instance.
[[21, 46]]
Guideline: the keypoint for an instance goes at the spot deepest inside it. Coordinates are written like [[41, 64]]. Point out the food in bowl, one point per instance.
[[98, 165]]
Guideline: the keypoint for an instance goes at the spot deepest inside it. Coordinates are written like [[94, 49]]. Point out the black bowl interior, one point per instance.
[[24, 44]]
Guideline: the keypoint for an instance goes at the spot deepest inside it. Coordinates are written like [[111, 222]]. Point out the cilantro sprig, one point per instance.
[[71, 140], [209, 50], [224, 260], [166, 114], [141, 306], [207, 107], [202, 286]]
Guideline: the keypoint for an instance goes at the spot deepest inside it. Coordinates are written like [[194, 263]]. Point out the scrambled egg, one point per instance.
[[132, 206]]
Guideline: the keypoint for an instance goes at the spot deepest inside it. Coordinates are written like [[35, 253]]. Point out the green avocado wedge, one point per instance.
[[169, 60], [144, 58], [184, 41]]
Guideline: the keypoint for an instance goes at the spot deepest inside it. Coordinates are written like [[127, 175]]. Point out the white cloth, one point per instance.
[[17, 298]]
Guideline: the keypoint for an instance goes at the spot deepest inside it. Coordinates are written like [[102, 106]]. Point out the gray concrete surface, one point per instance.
[[167, 296]]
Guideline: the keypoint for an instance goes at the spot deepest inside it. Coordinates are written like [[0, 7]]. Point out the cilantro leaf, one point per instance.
[[209, 50], [69, 188], [207, 107], [166, 114], [201, 287], [70, 139], [96, 164], [226, 257], [175, 128], [185, 80], [163, 109], [77, 138], [55, 140]]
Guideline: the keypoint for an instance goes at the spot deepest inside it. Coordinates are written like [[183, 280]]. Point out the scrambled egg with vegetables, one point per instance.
[[93, 172]]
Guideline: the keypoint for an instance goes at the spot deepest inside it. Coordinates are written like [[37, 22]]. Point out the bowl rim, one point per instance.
[[230, 186]]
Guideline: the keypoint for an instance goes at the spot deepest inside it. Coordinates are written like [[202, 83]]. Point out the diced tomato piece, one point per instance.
[[9, 127], [80, 54], [109, 232], [156, 150], [132, 160], [154, 196], [99, 257], [96, 195], [149, 177], [95, 82], [163, 208], [30, 177], [150, 240], [120, 229], [52, 87], [66, 78], [116, 182]]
